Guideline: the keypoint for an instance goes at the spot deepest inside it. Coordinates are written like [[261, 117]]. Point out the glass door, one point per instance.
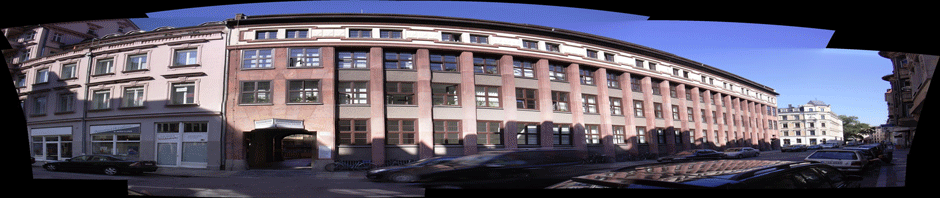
[[52, 151], [167, 154]]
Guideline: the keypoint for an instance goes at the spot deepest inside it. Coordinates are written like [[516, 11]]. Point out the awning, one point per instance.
[[279, 124], [121, 128]]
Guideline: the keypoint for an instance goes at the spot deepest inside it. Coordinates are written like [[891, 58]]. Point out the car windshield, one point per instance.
[[834, 155], [473, 160]]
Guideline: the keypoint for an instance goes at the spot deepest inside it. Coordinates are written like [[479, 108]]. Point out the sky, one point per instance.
[[794, 61]]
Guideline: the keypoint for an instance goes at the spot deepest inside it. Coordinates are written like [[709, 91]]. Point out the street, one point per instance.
[[257, 185]]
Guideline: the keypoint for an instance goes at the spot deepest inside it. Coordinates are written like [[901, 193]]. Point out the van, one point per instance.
[[535, 168]]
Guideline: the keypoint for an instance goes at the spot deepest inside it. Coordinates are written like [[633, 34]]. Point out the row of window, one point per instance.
[[799, 133], [180, 94], [104, 66]]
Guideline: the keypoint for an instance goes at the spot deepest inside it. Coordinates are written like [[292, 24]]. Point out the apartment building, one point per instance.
[[809, 124], [909, 80]]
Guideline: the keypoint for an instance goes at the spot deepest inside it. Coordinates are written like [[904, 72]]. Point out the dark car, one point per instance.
[[718, 174], [107, 164], [881, 151], [697, 154], [793, 147], [872, 153], [535, 168], [405, 173]]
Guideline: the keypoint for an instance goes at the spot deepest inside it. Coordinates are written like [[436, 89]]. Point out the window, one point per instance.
[[691, 115], [527, 134], [443, 62], [639, 63], [703, 116], [692, 136], [400, 132], [702, 96], [252, 59], [561, 134], [303, 91], [613, 80], [445, 94], [57, 37], [399, 60], [616, 106], [487, 96], [121, 144], [185, 57], [66, 102], [488, 133], [609, 57], [183, 93], [352, 131], [255, 92], [589, 103], [655, 85], [104, 66], [675, 71], [68, 71], [296, 33], [523, 68], [353, 92], [641, 135], [675, 112], [551, 47], [100, 99], [635, 84], [266, 35], [304, 57], [353, 59], [360, 33], [136, 62], [678, 137], [619, 137], [39, 105], [478, 39], [447, 132], [653, 66], [672, 91], [527, 99], [592, 134], [402, 93], [724, 116], [587, 76], [560, 101], [658, 110], [638, 108], [133, 97], [557, 72], [452, 37], [660, 136], [530, 44], [396, 34], [486, 65], [42, 75], [591, 54], [714, 117]]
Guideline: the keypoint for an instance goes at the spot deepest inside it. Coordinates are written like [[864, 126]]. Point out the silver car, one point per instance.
[[741, 152], [844, 160]]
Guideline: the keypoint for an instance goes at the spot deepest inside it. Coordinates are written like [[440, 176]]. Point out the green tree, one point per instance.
[[852, 128]]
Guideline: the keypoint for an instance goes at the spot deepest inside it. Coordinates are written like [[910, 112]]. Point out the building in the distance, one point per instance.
[[910, 79], [809, 124]]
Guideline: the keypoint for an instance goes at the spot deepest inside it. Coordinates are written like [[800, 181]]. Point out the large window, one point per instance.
[[523, 68], [256, 92], [487, 96], [444, 62], [660, 136], [400, 93], [445, 94], [447, 132], [587, 76], [658, 110], [189, 138], [641, 135], [485, 65], [557, 72], [561, 134], [184, 57], [690, 112], [488, 133], [133, 97], [636, 84], [296, 33], [303, 91], [560, 101], [675, 112], [353, 92], [352, 59], [616, 106], [265, 35], [672, 91], [353, 131], [136, 62], [638, 108], [530, 44], [655, 86], [390, 34], [39, 105], [101, 99], [481, 39], [66, 102], [527, 133], [104, 66], [399, 60], [360, 33], [68, 71], [400, 132], [526, 98], [304, 57], [619, 137], [592, 134], [452, 37], [253, 59], [613, 80], [589, 103], [117, 143], [42, 75]]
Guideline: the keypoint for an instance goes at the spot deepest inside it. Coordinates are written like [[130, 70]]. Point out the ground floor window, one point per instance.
[[182, 143], [52, 147], [127, 145]]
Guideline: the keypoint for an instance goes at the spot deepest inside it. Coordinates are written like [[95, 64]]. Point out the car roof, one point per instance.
[[696, 174]]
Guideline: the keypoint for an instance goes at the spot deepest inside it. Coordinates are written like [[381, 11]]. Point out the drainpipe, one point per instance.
[[85, 104], [223, 127]]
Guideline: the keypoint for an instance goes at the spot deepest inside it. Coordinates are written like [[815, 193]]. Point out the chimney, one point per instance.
[[239, 16]]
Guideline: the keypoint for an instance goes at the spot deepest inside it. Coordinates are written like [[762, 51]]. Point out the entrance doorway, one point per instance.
[[280, 148]]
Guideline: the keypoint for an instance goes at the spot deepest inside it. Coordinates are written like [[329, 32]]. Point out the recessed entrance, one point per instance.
[[280, 148]]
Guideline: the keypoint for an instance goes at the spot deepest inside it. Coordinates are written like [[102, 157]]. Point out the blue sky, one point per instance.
[[791, 60]]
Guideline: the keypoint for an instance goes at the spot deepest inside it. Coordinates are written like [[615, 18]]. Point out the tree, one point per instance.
[[852, 128]]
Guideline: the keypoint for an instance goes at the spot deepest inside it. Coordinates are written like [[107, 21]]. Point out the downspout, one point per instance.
[[224, 130], [85, 104]]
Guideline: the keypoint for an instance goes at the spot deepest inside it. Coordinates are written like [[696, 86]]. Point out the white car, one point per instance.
[[741, 152], [844, 160]]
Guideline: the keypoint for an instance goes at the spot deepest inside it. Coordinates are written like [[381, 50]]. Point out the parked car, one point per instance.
[[688, 155], [534, 168], [741, 152], [869, 152], [107, 164], [881, 151], [793, 147], [829, 146], [405, 173], [718, 174], [842, 159], [814, 147]]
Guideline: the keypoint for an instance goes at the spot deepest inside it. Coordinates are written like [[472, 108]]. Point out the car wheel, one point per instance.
[[110, 171], [50, 167], [403, 178]]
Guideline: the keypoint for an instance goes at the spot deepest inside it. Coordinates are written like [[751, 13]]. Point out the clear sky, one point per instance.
[[791, 60]]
